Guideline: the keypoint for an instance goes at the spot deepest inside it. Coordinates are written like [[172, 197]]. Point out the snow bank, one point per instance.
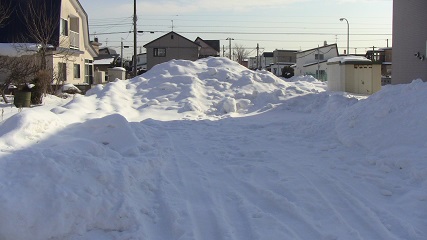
[[211, 150], [200, 88], [390, 118]]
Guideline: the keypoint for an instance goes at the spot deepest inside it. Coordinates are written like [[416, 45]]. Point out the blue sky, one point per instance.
[[274, 24]]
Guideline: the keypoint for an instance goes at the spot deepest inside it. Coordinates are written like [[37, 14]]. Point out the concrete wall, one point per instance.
[[409, 37]]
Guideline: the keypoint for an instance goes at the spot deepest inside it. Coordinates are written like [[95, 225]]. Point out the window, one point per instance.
[[62, 72], [319, 56], [64, 27], [88, 71], [159, 52], [76, 70]]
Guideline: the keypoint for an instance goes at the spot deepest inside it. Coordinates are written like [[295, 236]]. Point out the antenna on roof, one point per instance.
[[172, 25]]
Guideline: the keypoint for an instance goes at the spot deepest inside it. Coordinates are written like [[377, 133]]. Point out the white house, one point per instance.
[[266, 59], [313, 61]]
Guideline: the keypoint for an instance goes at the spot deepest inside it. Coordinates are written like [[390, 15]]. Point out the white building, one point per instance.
[[313, 61]]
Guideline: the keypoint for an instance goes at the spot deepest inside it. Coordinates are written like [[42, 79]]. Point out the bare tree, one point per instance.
[[241, 53], [43, 22], [18, 70], [5, 11]]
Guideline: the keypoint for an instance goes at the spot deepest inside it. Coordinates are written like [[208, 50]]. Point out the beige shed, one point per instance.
[[116, 72], [353, 74]]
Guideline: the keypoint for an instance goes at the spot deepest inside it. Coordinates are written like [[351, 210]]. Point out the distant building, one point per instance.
[[281, 59], [171, 46], [208, 48], [266, 59], [409, 41], [384, 57], [252, 63], [141, 62], [313, 61]]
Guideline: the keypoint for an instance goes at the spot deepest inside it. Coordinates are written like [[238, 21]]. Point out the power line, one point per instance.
[[262, 33]]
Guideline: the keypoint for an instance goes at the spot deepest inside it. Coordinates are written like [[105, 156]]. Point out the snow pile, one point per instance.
[[211, 150], [211, 86], [396, 112]]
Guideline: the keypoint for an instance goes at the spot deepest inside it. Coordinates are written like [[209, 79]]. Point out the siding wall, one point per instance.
[[409, 37]]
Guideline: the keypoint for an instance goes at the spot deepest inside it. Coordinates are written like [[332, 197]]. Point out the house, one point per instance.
[[208, 48], [171, 46], [382, 56], [107, 57], [313, 61], [281, 59], [70, 53], [266, 59], [409, 41]]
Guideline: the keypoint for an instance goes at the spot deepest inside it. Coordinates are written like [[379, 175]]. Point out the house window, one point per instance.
[[62, 72], [76, 70], [159, 52], [89, 71], [321, 75], [64, 27], [319, 56]]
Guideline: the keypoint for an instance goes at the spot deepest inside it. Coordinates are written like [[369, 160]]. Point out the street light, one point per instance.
[[229, 39], [134, 38], [348, 35]]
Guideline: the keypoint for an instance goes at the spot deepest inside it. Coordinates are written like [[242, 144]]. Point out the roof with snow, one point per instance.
[[349, 60], [105, 61]]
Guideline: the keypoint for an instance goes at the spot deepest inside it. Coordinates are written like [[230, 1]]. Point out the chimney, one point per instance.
[[325, 43]]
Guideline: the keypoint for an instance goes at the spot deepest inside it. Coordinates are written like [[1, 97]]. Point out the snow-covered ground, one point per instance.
[[210, 150]]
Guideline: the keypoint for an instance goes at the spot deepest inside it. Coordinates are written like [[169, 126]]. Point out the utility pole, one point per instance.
[[373, 53], [257, 55], [134, 38], [121, 53], [229, 47], [318, 65]]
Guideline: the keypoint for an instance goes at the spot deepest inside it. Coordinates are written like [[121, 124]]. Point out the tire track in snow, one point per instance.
[[194, 187], [360, 219]]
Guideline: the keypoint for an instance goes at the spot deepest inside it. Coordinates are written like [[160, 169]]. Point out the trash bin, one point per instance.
[[22, 99]]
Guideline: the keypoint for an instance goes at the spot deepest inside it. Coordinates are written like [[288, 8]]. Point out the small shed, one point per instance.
[[116, 72], [353, 74]]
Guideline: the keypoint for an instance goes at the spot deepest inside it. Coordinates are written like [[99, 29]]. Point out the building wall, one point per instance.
[[266, 61], [176, 48], [206, 50], [252, 64], [78, 56], [284, 56], [409, 37], [306, 62]]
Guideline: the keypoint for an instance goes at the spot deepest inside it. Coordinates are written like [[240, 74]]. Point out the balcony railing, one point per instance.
[[74, 40]]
